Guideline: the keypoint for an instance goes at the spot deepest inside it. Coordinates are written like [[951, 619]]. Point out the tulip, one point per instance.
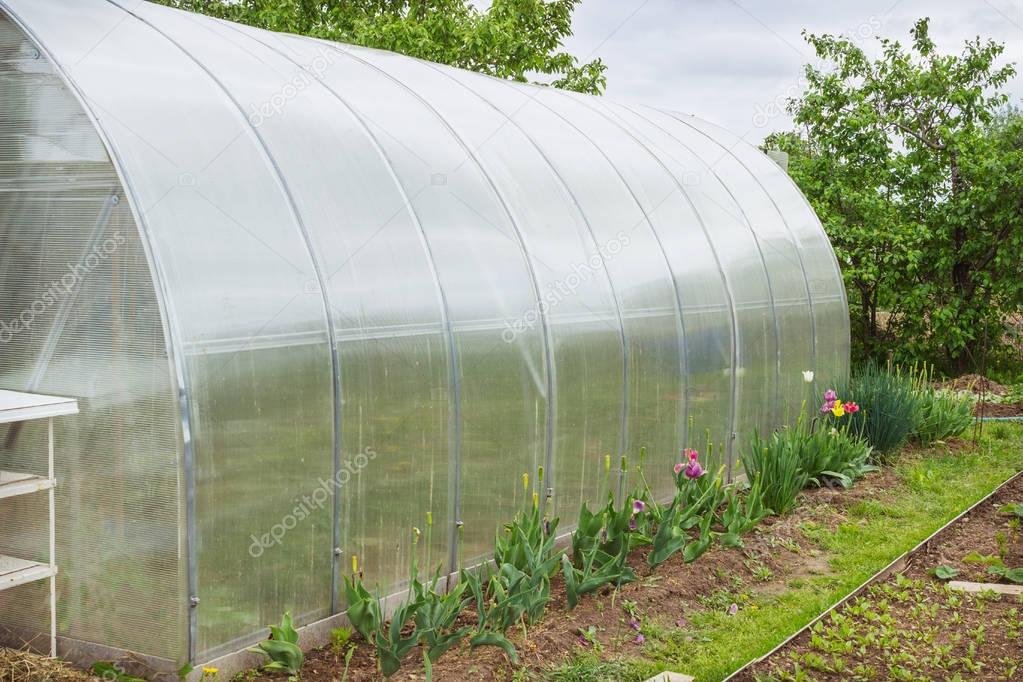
[[638, 506], [694, 470], [678, 468], [632, 523], [634, 624], [808, 376], [838, 410], [851, 407], [690, 454], [828, 406], [830, 394]]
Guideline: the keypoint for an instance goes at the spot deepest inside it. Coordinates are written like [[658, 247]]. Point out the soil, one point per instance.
[[976, 383], [666, 595], [980, 385], [941, 633], [998, 410]]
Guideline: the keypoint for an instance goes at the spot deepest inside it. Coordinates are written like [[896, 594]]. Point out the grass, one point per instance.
[[934, 486]]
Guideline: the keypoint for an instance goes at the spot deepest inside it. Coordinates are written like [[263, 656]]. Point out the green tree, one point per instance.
[[915, 167], [513, 39]]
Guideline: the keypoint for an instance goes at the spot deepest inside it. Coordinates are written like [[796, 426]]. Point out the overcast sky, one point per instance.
[[735, 61]]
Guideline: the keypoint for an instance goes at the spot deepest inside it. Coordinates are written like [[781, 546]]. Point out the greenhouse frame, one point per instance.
[[306, 293]]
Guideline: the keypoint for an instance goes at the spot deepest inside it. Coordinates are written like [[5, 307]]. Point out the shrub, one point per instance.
[[891, 408], [836, 455], [778, 462], [943, 414]]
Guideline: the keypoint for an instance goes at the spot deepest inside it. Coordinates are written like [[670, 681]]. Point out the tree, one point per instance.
[[915, 167], [512, 39]]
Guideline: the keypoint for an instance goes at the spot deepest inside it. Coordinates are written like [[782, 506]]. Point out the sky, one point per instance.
[[735, 62]]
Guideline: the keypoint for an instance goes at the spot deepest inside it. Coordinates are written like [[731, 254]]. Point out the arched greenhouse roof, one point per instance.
[[317, 262]]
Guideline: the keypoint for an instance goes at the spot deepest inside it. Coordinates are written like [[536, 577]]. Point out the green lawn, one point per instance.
[[934, 486]]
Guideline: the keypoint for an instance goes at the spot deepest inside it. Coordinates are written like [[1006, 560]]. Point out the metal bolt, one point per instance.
[[338, 551], [193, 601]]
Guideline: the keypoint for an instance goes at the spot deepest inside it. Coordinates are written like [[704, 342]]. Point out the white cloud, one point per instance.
[[727, 60]]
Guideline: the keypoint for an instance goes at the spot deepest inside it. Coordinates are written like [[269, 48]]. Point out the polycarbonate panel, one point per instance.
[[791, 296], [635, 263], [79, 317], [249, 314], [756, 345], [699, 284], [830, 314], [580, 305], [485, 279], [512, 276]]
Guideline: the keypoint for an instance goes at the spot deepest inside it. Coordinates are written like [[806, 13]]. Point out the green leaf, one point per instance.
[[498, 640], [943, 572]]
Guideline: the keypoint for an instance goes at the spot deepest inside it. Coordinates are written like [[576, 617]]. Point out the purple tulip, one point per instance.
[[694, 470], [827, 406], [632, 523], [830, 395], [638, 506]]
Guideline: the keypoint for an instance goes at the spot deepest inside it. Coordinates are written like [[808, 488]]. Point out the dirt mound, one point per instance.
[[977, 383]]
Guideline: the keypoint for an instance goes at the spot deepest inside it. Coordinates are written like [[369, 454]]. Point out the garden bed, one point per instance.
[[709, 617], [911, 625]]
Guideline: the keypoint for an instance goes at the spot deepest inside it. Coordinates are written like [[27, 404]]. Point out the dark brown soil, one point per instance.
[[980, 385], [998, 410], [774, 554], [911, 626]]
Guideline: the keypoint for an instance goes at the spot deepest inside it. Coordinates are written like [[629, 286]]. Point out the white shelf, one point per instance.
[[13, 483], [14, 572], [18, 407]]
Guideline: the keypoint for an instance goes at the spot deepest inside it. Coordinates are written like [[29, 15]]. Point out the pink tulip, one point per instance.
[[678, 468]]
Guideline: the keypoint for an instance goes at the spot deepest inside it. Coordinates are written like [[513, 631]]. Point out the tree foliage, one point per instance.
[[513, 39], [914, 164]]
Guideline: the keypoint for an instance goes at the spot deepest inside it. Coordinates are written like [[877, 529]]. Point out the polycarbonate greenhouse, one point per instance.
[[306, 293]]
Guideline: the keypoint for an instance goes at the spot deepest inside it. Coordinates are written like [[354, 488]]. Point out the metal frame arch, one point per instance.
[[168, 315], [623, 434], [788, 229], [756, 241], [683, 350]]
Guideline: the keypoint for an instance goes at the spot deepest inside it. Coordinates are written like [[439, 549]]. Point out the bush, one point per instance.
[[891, 408], [778, 461], [943, 414], [836, 455]]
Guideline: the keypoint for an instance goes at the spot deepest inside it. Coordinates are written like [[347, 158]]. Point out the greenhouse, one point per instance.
[[306, 294]]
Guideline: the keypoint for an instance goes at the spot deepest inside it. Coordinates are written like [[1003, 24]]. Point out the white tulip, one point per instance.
[[808, 376]]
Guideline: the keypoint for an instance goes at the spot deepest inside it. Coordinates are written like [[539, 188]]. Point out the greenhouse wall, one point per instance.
[[336, 289]]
